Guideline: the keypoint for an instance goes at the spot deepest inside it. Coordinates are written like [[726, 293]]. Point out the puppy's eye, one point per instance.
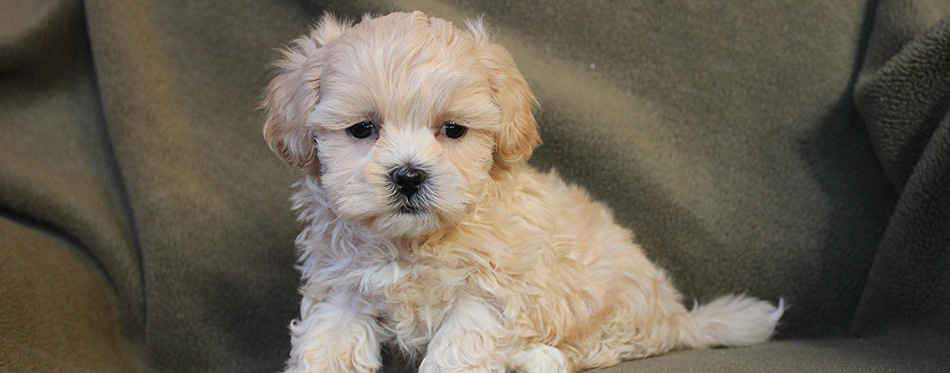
[[453, 130], [362, 130]]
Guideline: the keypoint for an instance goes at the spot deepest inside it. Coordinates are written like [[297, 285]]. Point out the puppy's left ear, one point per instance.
[[518, 136], [294, 92]]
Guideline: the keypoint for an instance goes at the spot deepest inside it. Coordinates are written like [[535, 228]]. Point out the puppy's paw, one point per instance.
[[539, 358], [334, 360], [327, 344]]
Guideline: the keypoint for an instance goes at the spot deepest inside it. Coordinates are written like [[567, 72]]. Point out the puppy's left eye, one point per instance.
[[453, 130]]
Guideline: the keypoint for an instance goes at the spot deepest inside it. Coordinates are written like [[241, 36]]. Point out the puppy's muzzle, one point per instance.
[[407, 179]]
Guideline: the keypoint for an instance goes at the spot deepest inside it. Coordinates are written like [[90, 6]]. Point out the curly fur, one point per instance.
[[502, 267]]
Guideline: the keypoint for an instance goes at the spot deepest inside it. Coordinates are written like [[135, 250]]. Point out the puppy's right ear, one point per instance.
[[294, 92]]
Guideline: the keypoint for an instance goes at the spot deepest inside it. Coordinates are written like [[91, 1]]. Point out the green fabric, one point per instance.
[[905, 101], [779, 148], [56, 314], [910, 354]]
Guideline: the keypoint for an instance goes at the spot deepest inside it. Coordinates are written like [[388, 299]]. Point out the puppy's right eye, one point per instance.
[[362, 130]]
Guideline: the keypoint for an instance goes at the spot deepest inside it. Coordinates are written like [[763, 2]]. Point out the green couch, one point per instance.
[[796, 149]]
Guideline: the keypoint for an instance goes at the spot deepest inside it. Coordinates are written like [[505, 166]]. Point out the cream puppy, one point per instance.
[[427, 231]]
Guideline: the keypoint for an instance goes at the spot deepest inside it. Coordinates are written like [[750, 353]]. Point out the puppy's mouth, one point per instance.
[[407, 209], [413, 205]]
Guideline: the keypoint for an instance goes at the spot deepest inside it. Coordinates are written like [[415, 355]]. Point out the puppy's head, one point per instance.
[[401, 118]]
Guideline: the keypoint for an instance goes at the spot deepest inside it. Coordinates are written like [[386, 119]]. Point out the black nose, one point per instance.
[[408, 179]]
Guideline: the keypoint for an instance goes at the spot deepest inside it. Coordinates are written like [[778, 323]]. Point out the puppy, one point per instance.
[[427, 231]]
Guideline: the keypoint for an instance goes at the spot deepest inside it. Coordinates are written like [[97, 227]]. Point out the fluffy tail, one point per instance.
[[731, 320]]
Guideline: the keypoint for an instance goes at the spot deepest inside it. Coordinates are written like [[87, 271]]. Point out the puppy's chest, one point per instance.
[[415, 302], [419, 286]]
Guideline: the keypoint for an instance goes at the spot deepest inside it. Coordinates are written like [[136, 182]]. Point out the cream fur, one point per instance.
[[504, 267]]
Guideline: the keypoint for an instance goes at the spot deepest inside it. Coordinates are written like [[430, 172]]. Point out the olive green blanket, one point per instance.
[[796, 149]]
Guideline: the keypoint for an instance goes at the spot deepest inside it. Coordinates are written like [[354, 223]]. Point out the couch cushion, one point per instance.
[[898, 354]]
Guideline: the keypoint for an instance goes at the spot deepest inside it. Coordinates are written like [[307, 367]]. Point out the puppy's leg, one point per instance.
[[471, 339], [336, 335], [539, 358]]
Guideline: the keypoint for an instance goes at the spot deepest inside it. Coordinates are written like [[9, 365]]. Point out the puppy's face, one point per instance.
[[402, 118]]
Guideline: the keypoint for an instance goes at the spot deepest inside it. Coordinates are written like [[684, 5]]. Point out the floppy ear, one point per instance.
[[518, 136], [294, 91]]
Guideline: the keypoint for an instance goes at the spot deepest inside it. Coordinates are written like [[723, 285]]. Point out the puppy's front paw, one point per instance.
[[467, 341], [332, 356], [334, 360], [539, 358], [327, 342], [457, 364]]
